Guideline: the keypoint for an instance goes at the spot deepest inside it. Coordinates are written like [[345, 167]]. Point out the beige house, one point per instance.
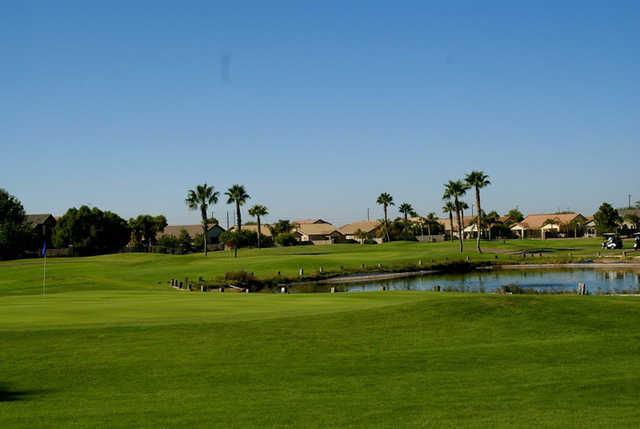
[[466, 222], [545, 225], [318, 233], [213, 233], [264, 229], [298, 222], [370, 228]]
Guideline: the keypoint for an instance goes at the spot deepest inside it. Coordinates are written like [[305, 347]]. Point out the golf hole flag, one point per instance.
[[43, 252]]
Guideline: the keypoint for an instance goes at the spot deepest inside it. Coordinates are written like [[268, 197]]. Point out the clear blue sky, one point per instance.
[[317, 107]]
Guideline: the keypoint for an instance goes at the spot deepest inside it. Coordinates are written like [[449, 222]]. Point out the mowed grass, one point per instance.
[[112, 348]]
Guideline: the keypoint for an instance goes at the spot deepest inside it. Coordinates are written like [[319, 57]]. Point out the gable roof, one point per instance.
[[466, 221], [310, 221], [38, 219], [364, 225], [536, 221], [316, 228], [193, 230], [264, 229]]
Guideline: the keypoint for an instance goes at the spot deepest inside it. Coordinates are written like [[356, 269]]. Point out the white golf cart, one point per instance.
[[636, 241], [611, 241]]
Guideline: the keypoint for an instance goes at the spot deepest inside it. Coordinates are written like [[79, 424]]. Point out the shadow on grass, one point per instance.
[[12, 395]]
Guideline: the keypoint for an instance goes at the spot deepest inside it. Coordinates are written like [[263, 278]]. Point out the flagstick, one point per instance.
[[44, 275]]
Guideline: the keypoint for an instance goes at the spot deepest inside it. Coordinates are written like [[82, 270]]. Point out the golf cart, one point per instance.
[[636, 241], [611, 241]]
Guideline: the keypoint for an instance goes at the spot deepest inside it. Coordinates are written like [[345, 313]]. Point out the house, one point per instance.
[[265, 231], [318, 233], [371, 228], [547, 225], [466, 221], [471, 230], [298, 222], [590, 227], [41, 226], [213, 234]]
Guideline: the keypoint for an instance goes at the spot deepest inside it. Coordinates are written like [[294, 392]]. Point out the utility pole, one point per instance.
[[368, 219], [227, 220], [629, 200]]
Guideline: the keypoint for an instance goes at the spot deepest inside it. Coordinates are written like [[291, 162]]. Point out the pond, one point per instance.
[[538, 280]]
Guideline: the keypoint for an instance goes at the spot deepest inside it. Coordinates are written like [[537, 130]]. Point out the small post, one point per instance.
[[419, 262], [333, 289], [301, 272], [379, 265], [283, 289], [321, 269]]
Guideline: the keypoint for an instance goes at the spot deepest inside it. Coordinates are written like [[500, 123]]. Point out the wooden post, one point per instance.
[[301, 272], [321, 269], [333, 289]]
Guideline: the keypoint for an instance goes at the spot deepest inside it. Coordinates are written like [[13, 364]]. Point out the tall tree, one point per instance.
[[406, 209], [237, 195], [478, 180], [607, 218], [385, 200], [201, 198], [14, 234], [258, 211], [144, 229], [449, 208], [514, 216], [454, 190]]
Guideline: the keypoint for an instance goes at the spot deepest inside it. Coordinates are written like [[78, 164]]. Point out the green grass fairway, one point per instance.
[[110, 347]]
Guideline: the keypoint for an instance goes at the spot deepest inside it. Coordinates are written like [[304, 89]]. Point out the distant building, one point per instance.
[[547, 225], [265, 231], [370, 228], [318, 233], [298, 222], [213, 233], [452, 230], [42, 226]]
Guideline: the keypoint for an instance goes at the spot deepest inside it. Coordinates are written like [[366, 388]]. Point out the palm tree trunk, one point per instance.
[[203, 212], [450, 226], [258, 231], [239, 224], [478, 219], [386, 224], [458, 211]]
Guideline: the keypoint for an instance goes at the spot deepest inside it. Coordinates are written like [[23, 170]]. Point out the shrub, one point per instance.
[[286, 239]]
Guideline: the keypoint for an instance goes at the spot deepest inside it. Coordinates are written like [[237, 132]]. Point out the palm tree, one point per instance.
[[385, 200], [361, 235], [454, 190], [449, 208], [430, 220], [478, 180], [238, 195], [406, 209], [257, 211], [202, 197]]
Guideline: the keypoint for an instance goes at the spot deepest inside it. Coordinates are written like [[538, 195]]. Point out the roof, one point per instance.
[[316, 228], [536, 221], [309, 221], [466, 221], [364, 225], [193, 230], [38, 219], [264, 229]]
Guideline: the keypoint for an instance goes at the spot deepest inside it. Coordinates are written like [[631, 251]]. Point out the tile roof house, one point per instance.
[[545, 224], [371, 228], [264, 229], [318, 233], [213, 233], [309, 221]]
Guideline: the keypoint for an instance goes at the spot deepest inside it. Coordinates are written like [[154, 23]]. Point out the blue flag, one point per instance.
[[43, 252]]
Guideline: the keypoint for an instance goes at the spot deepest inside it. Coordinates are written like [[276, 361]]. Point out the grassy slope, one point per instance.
[[114, 349]]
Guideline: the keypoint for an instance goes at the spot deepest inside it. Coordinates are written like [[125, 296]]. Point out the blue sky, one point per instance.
[[317, 107]]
